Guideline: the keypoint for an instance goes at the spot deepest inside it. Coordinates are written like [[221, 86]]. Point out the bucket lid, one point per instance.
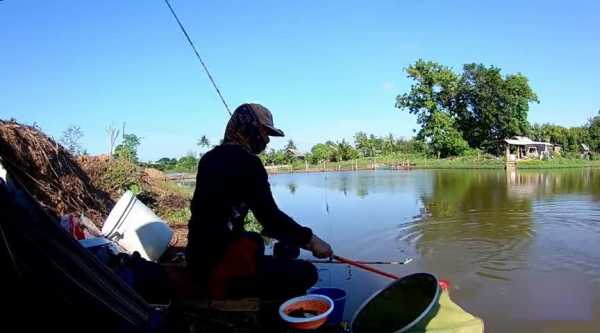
[[400, 306]]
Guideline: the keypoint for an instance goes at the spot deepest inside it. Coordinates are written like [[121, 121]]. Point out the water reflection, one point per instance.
[[470, 219], [547, 183], [516, 246], [520, 248], [292, 187]]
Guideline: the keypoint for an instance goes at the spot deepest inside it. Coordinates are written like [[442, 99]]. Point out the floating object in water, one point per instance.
[[306, 312]]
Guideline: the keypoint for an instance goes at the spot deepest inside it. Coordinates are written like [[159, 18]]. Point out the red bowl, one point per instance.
[[321, 305]]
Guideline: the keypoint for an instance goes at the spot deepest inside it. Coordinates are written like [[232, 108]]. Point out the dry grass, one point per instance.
[[50, 173]]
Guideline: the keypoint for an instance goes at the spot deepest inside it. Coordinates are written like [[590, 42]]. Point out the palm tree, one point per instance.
[[204, 142], [388, 144]]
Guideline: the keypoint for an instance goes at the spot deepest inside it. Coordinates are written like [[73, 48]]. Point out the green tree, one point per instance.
[[434, 92], [321, 152], [577, 136], [127, 150], [555, 134], [203, 142], [445, 139], [481, 102], [187, 163], [361, 142], [594, 132], [71, 139], [491, 107], [264, 157], [345, 151], [389, 144], [273, 156], [334, 155], [165, 163]]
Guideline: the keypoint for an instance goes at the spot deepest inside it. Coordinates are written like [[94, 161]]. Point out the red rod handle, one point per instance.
[[366, 267]]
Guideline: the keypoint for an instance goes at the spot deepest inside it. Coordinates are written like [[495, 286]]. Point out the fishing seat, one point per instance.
[[194, 305]]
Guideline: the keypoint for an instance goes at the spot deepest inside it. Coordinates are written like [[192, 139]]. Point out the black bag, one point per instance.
[[147, 278]]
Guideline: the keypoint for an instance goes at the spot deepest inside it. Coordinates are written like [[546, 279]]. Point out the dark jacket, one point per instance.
[[230, 181]]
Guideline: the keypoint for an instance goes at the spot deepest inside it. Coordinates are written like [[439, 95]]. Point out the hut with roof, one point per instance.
[[522, 147]]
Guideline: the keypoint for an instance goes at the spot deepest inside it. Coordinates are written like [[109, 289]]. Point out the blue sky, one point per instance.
[[326, 69]]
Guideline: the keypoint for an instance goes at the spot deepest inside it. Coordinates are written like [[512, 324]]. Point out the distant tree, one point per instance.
[[187, 163], [389, 144], [431, 99], [375, 145], [71, 139], [347, 151], [481, 102], [445, 140], [203, 142], [165, 163], [264, 157], [127, 149], [273, 156], [321, 152], [594, 132], [113, 134], [576, 136], [570, 139], [279, 157], [491, 107], [361, 142]]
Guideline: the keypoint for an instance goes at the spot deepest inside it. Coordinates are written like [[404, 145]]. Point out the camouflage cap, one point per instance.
[[265, 118]]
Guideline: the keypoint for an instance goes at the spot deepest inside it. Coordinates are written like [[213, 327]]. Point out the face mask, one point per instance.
[[243, 129]]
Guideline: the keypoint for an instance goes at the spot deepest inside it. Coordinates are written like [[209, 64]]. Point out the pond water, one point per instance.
[[521, 249]]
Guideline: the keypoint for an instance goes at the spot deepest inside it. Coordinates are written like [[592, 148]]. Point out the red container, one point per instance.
[[320, 305]]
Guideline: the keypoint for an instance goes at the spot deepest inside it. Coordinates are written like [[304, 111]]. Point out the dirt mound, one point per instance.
[[167, 197], [50, 173], [112, 176], [87, 184], [151, 186]]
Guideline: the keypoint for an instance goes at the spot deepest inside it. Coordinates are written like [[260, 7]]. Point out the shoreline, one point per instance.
[[527, 165], [428, 164]]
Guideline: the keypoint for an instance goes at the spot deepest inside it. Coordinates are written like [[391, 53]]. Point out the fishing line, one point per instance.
[[198, 56]]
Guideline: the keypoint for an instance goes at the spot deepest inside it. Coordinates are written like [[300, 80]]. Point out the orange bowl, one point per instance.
[[306, 312]]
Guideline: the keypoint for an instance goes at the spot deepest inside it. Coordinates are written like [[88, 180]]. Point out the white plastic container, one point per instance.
[[135, 227], [2, 172]]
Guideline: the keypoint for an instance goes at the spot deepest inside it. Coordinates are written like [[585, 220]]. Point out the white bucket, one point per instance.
[[2, 172], [135, 227]]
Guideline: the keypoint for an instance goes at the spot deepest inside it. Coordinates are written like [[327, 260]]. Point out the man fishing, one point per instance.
[[232, 180]]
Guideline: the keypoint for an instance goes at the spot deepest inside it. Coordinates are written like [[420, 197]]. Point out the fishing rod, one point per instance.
[[366, 268], [404, 262], [444, 284], [189, 40]]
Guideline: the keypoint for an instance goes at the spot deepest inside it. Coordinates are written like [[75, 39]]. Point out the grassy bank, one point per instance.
[[424, 162], [558, 163]]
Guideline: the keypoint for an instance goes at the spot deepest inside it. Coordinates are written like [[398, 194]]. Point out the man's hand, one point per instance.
[[319, 248]]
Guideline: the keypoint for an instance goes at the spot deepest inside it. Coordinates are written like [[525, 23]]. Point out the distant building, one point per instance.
[[522, 147], [586, 152], [296, 153]]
